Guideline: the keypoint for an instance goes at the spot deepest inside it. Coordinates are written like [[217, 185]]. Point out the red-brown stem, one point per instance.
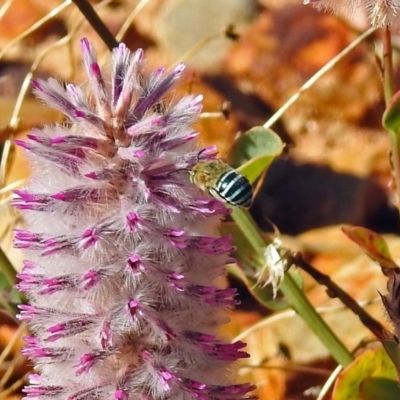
[[335, 291]]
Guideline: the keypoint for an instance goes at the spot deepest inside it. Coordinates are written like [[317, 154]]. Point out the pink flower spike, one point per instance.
[[125, 268], [120, 395]]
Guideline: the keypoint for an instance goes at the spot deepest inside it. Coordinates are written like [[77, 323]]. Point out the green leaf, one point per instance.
[[254, 151], [379, 389], [392, 349], [370, 364], [391, 117], [9, 296], [372, 244]]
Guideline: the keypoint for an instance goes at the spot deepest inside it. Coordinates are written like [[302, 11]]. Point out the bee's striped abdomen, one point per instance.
[[233, 188]]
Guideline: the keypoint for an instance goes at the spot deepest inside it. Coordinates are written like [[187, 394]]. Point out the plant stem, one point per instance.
[[293, 293], [336, 292], [395, 161], [98, 25], [388, 88], [387, 60], [317, 76], [314, 321]]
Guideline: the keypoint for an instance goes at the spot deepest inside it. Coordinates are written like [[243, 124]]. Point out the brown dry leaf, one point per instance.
[[283, 348], [329, 243], [263, 368], [334, 254]]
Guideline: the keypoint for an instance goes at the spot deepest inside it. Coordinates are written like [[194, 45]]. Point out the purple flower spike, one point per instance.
[[124, 264]]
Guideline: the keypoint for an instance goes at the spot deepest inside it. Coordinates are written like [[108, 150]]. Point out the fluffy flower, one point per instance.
[[382, 13], [124, 257], [275, 265]]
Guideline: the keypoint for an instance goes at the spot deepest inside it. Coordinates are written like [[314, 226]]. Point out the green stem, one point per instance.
[[395, 160], [314, 321], [293, 293], [6, 306], [388, 88]]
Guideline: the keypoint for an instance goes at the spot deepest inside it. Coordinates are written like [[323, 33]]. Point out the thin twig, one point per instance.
[[17, 336], [6, 393], [35, 26], [291, 368], [14, 120], [291, 313], [130, 18], [97, 24], [16, 361], [197, 47], [329, 383], [10, 187], [316, 76], [4, 8]]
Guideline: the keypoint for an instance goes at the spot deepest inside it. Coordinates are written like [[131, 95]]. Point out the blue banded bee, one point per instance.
[[222, 182]]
